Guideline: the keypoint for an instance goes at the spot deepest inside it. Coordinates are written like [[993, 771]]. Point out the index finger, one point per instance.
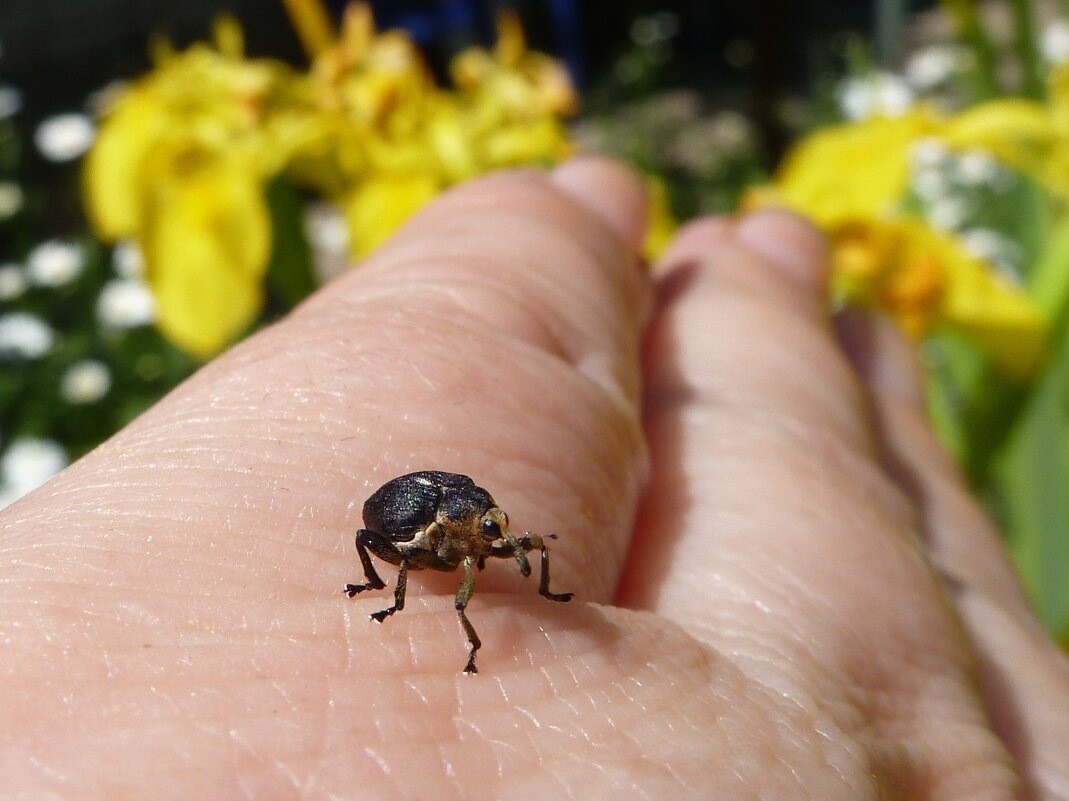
[[495, 336]]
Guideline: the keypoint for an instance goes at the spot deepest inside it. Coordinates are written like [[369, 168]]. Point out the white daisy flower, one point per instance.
[[125, 303], [928, 152], [24, 336], [882, 93], [948, 213], [12, 281], [933, 66], [64, 137], [103, 99], [86, 381], [327, 233], [1054, 42], [993, 247], [29, 462], [977, 168], [11, 199], [55, 263], [128, 260]]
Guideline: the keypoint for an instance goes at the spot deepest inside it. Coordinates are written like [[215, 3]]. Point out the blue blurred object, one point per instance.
[[569, 46], [449, 21], [429, 22]]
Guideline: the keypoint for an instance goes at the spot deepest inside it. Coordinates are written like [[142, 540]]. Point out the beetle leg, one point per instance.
[[373, 580], [543, 581], [533, 542], [398, 594], [464, 591]]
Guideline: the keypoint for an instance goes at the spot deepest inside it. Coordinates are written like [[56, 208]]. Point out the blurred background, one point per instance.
[[746, 55], [58, 51], [175, 175]]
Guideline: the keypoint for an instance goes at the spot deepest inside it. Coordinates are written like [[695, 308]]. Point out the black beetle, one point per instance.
[[431, 519]]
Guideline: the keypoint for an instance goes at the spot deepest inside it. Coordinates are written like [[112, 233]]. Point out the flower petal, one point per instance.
[[379, 206], [851, 171], [206, 248]]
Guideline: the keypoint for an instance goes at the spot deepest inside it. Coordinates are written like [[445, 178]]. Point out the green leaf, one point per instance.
[[1030, 488], [952, 366], [1048, 281], [971, 403], [290, 272]]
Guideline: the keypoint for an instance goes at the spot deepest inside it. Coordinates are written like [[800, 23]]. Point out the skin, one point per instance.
[[805, 603]]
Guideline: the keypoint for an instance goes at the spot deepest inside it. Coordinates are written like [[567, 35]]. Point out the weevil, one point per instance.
[[441, 521]]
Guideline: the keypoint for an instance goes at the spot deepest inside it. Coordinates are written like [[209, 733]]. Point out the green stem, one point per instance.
[[890, 24], [971, 31], [1024, 23]]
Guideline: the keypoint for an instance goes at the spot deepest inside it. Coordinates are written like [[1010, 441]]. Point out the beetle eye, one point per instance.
[[491, 530]]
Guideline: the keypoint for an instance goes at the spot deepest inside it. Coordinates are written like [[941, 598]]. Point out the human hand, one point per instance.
[[806, 603]]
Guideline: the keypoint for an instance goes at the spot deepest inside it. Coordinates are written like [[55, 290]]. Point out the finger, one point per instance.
[[1026, 685], [721, 383], [495, 337], [959, 538], [183, 581], [880, 356], [771, 530], [1025, 678], [613, 194]]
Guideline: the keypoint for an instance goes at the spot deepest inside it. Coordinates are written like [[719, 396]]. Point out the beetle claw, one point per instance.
[[378, 617]]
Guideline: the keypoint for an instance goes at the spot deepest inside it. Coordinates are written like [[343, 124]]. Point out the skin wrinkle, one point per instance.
[[735, 306], [546, 210], [713, 389], [866, 688], [589, 323], [418, 717], [809, 504], [549, 333]]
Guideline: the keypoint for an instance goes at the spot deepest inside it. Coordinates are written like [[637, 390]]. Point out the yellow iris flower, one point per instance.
[[514, 80], [854, 170], [180, 164], [662, 224], [389, 139], [184, 155], [925, 277], [850, 180]]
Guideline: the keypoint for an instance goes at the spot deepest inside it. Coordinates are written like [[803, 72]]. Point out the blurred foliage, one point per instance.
[[53, 323], [706, 155]]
